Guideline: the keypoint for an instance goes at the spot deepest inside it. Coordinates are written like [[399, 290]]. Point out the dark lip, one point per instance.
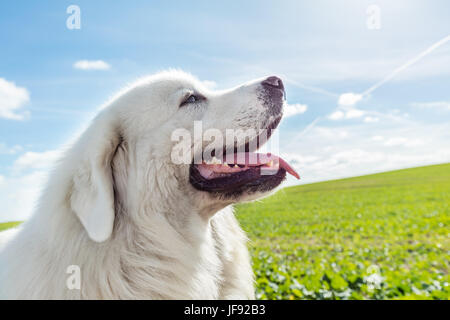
[[236, 184]]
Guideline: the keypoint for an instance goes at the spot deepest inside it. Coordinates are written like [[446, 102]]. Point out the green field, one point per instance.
[[7, 225], [382, 236]]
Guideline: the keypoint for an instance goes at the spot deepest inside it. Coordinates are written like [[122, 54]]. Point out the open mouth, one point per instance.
[[237, 172]]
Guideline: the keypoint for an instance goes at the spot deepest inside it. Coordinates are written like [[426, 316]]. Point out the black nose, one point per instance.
[[274, 82]]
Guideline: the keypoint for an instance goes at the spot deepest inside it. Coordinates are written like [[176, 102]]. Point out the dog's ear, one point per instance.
[[92, 194]]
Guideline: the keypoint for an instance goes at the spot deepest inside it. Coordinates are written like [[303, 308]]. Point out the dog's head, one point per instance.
[[169, 141]]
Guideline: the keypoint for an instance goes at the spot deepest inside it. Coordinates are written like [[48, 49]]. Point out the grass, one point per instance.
[[7, 225], [382, 236]]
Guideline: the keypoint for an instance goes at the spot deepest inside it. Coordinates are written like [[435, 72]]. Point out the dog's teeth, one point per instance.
[[216, 161]]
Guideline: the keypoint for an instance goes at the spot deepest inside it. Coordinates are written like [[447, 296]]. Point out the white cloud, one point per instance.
[[401, 141], [36, 160], [349, 99], [91, 65], [337, 115], [354, 113], [294, 109], [12, 98], [332, 134], [370, 119], [377, 138], [442, 105], [393, 142], [351, 113]]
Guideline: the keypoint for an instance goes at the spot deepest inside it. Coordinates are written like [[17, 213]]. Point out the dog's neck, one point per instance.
[[173, 252]]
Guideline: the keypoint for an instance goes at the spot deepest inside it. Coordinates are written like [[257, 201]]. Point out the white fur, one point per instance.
[[117, 207]]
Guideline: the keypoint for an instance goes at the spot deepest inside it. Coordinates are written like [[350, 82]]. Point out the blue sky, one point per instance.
[[322, 50]]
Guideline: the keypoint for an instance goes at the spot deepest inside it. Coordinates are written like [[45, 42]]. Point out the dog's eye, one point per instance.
[[191, 99]]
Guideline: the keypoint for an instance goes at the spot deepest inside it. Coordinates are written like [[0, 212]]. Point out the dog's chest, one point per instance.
[[206, 269], [193, 271]]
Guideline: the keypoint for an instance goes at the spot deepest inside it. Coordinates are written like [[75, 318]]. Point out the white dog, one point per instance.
[[124, 220]]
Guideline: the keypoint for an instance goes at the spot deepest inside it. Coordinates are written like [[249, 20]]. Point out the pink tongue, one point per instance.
[[288, 168], [257, 159]]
